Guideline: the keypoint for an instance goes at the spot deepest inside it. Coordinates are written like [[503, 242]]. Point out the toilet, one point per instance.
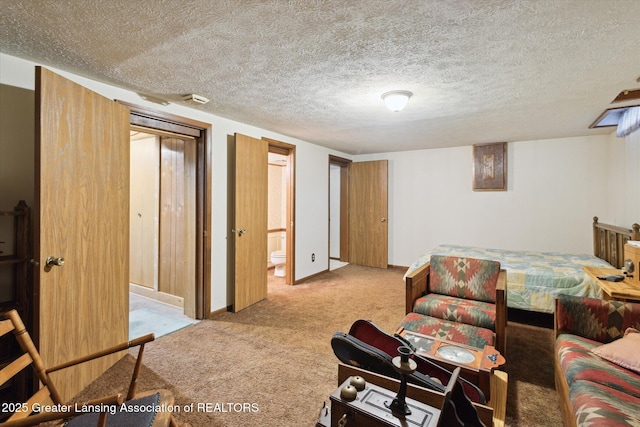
[[279, 258]]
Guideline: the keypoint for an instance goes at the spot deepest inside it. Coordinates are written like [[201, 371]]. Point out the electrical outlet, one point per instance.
[[313, 257]]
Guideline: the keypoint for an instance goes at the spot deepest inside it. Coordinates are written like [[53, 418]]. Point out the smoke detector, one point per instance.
[[195, 99]]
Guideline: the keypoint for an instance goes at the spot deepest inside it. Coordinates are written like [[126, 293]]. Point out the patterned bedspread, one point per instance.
[[533, 278]]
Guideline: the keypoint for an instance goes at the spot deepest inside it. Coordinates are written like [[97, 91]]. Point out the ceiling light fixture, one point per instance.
[[396, 100]]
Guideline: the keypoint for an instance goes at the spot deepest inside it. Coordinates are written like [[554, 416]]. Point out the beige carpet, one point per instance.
[[272, 364]]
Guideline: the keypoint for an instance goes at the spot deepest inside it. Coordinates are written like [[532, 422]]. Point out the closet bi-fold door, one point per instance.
[[81, 228], [248, 180], [176, 275]]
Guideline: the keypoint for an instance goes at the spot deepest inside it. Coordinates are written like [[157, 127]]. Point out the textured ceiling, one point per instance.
[[480, 70]]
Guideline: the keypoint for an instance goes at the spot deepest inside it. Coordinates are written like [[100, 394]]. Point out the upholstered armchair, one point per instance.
[[461, 300]]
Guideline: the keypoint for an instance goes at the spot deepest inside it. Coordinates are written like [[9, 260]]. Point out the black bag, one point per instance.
[[354, 352]]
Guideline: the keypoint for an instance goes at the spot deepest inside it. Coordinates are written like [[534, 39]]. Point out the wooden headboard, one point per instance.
[[609, 240]]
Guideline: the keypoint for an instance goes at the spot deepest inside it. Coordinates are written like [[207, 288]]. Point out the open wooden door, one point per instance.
[[81, 227], [368, 210], [248, 180]]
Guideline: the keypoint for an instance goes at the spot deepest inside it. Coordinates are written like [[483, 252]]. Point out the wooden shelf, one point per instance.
[[16, 264], [11, 259], [11, 213], [10, 305]]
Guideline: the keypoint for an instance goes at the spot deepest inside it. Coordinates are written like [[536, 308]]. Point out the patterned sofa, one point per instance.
[[597, 361], [461, 300]]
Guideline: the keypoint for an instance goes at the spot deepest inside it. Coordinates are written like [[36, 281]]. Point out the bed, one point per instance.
[[534, 279]]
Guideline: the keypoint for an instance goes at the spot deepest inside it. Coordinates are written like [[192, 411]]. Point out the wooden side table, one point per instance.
[[476, 364], [621, 291]]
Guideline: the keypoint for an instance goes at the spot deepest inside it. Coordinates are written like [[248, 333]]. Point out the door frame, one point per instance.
[[343, 164], [202, 132], [288, 150]]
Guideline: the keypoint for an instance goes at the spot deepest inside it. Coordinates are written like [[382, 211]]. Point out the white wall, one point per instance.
[[311, 175], [312, 196], [555, 187]]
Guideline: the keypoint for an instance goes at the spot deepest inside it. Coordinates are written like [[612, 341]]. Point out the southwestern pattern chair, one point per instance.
[[463, 300]]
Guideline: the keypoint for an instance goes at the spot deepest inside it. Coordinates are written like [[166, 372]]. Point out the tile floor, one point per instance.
[[335, 264], [149, 316]]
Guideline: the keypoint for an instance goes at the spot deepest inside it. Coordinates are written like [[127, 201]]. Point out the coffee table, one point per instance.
[[476, 365]]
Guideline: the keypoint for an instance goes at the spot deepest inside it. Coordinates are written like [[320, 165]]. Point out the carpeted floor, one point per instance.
[[272, 363]]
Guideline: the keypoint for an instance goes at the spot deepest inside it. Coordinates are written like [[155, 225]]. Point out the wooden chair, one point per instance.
[[47, 396], [462, 298]]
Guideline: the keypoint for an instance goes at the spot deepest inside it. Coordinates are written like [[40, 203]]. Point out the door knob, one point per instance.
[[383, 220], [241, 231], [57, 261]]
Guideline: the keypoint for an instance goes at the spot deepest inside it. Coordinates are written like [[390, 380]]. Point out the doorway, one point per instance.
[[170, 213], [276, 218], [247, 249], [281, 224], [162, 241], [363, 230], [338, 211]]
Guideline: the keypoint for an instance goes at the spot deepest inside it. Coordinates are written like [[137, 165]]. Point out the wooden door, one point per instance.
[[368, 238], [81, 217], [248, 236], [177, 220], [144, 190]]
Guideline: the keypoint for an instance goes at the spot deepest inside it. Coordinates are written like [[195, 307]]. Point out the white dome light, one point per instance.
[[396, 100]]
